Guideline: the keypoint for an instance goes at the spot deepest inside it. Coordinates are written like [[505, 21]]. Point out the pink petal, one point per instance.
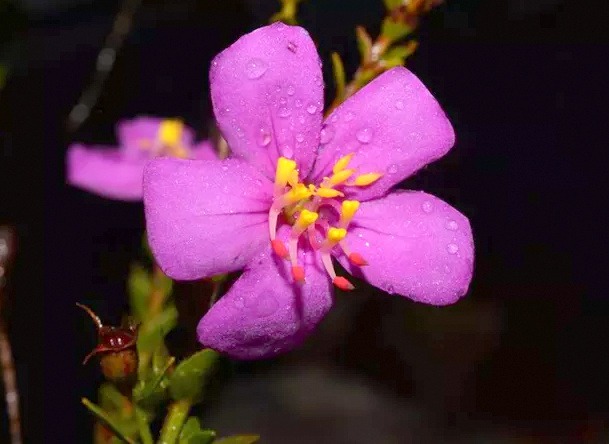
[[105, 171], [204, 150], [416, 246], [393, 125], [131, 133], [205, 217], [265, 313], [267, 93]]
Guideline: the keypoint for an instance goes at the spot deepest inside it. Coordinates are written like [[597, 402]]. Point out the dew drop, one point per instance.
[[240, 132], [300, 138], [349, 116], [255, 68], [399, 104], [364, 135], [390, 289], [292, 46], [301, 118], [225, 167], [298, 103], [392, 169], [284, 111], [287, 151], [452, 248], [451, 225], [427, 207], [291, 90], [311, 109], [263, 137], [326, 135], [318, 80], [283, 100], [334, 118]]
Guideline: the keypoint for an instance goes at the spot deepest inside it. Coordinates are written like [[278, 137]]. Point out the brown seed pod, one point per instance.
[[116, 347]]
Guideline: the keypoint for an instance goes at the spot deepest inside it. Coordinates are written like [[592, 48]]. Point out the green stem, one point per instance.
[[174, 421], [143, 426], [104, 417]]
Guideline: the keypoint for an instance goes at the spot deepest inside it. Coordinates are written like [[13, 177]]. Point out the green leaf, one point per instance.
[[393, 30], [110, 422], [392, 4], [401, 52], [148, 392], [339, 75], [151, 334], [238, 439], [193, 434], [364, 43], [189, 377], [140, 288]]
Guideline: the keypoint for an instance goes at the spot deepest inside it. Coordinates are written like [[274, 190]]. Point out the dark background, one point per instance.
[[525, 354]]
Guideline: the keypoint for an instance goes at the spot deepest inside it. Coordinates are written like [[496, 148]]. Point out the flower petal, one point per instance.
[[416, 245], [267, 93], [205, 217], [393, 125], [265, 313], [105, 171], [134, 133], [204, 150]]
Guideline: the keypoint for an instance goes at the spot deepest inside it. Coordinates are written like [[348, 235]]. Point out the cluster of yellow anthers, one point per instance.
[[300, 205], [168, 140]]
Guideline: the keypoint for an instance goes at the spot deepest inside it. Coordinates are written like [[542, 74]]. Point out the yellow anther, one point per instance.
[[340, 177], [293, 179], [298, 193], [170, 132], [306, 218], [328, 192], [342, 163], [285, 170], [348, 209], [366, 179], [335, 235]]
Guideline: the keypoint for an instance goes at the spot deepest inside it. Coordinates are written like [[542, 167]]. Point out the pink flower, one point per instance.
[[117, 173], [299, 191]]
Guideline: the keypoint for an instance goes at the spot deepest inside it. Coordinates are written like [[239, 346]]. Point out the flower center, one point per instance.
[[168, 141], [319, 213]]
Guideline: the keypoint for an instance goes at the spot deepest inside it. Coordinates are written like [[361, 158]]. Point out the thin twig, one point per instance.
[[9, 375], [105, 62]]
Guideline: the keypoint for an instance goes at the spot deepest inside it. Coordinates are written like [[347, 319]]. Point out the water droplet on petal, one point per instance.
[[311, 109], [318, 80], [255, 68], [292, 46], [287, 151], [301, 118], [452, 248], [298, 103], [364, 135], [300, 138], [327, 133], [334, 118], [427, 207], [283, 100], [284, 111], [392, 169], [240, 132], [399, 104], [291, 90], [225, 167], [390, 289], [263, 137], [349, 116], [258, 182], [451, 225]]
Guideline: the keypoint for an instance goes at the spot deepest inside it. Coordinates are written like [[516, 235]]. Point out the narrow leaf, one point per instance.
[[364, 44], [107, 420], [189, 378], [339, 75]]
